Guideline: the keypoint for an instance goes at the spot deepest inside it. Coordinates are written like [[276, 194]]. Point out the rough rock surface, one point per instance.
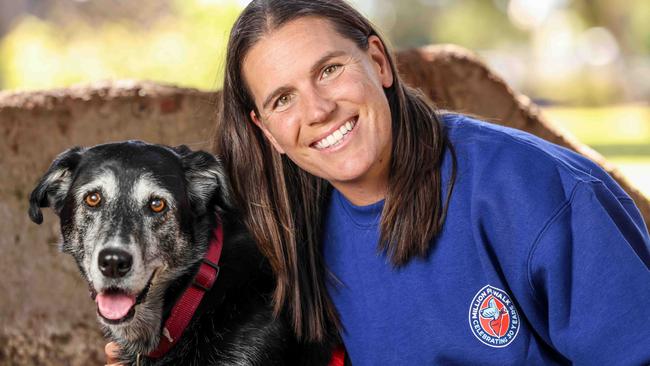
[[46, 317]]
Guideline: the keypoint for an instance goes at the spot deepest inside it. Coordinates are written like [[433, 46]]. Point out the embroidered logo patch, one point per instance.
[[493, 317]]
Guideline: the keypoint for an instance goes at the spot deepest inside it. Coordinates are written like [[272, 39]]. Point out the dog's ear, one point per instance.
[[53, 187], [207, 183]]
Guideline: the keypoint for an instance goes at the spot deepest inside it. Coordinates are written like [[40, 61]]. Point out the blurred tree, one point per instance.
[[584, 51], [179, 42], [476, 24]]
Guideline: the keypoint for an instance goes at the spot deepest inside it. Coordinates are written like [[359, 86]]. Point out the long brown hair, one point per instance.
[[283, 205]]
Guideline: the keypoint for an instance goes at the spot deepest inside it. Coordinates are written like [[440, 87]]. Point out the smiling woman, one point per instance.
[[328, 112], [347, 179], [296, 73]]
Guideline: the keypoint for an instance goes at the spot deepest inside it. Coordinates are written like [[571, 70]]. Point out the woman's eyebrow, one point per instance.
[[317, 65], [325, 58]]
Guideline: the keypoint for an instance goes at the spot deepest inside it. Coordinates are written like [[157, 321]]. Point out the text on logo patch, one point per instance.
[[493, 317]]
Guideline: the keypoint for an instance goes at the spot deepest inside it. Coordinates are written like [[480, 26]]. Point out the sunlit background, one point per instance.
[[586, 61]]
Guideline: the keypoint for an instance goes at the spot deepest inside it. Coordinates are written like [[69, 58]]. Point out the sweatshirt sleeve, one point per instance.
[[589, 273]]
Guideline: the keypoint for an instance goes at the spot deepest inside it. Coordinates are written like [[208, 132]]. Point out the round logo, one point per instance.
[[493, 317]]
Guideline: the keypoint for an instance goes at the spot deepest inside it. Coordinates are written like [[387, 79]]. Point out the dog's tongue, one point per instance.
[[114, 306]]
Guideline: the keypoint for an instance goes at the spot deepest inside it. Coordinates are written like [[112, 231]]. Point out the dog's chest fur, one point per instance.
[[234, 325]]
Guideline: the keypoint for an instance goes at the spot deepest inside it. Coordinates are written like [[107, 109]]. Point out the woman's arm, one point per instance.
[[589, 272]]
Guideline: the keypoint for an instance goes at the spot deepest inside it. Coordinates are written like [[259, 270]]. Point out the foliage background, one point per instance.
[[586, 61]]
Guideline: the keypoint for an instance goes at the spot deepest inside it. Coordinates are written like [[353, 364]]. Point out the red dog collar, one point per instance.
[[185, 307]]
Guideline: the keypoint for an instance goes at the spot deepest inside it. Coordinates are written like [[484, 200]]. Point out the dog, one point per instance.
[[138, 219]]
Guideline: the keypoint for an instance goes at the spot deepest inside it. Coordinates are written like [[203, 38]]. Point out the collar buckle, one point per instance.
[[203, 279]]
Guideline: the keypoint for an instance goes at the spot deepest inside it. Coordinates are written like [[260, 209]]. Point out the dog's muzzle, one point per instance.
[[116, 305]]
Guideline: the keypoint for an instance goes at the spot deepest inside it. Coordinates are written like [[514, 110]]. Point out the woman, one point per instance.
[[530, 254]]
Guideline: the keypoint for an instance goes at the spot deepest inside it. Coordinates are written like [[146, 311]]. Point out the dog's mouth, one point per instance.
[[116, 305]]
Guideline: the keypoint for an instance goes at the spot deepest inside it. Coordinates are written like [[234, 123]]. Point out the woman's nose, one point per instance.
[[319, 107]]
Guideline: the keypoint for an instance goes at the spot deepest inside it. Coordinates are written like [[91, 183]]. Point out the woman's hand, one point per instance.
[[111, 351]]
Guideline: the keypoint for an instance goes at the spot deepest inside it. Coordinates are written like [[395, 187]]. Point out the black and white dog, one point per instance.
[[138, 219]]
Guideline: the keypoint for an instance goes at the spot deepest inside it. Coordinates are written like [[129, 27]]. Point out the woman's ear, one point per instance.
[[378, 55], [266, 132]]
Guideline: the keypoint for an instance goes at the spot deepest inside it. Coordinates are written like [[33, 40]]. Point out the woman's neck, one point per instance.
[[363, 193]]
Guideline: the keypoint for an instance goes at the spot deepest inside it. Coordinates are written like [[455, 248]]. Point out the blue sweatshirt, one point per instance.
[[543, 259]]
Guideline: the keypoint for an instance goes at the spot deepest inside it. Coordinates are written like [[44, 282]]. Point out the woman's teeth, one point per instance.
[[335, 137]]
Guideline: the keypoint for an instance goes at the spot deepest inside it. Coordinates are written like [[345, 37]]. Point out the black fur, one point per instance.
[[234, 325]]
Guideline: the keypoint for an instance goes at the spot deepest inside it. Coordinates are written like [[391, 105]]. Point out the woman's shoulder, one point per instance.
[[500, 154], [476, 136], [515, 184]]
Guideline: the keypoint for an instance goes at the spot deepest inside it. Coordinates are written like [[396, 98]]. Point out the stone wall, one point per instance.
[[46, 316]]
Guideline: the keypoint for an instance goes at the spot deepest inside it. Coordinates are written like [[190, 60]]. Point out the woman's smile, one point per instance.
[[334, 141]]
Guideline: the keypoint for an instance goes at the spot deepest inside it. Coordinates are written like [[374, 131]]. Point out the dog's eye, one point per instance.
[[157, 205], [93, 199]]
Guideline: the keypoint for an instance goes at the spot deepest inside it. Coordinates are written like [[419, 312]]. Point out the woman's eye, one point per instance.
[[330, 70], [93, 199], [157, 205], [282, 101]]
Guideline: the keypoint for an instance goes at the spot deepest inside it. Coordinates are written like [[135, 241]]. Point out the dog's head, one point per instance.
[[130, 215]]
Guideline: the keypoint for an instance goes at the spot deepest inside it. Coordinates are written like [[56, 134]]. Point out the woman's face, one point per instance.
[[321, 101]]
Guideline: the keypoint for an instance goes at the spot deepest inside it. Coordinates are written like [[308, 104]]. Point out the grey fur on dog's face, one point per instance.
[[127, 177], [124, 220]]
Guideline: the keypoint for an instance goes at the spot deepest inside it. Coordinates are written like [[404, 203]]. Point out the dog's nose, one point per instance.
[[115, 262]]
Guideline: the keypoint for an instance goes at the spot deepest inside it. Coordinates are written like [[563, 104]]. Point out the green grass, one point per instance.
[[621, 133]]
